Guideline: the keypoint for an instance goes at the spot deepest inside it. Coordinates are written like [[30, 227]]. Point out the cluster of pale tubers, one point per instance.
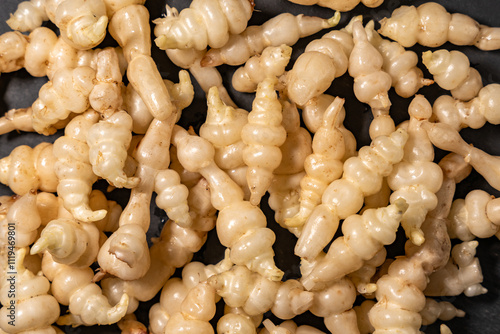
[[117, 145]]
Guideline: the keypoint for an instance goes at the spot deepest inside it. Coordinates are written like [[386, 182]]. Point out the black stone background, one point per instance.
[[19, 89]]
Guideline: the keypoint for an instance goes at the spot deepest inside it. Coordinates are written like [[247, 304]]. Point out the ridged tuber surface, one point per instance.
[[255, 294], [27, 303], [173, 249], [362, 177], [399, 63], [67, 92], [461, 274], [363, 237], [451, 70], [417, 177], [108, 142], [431, 25], [340, 5], [240, 225], [74, 287], [323, 60], [204, 23], [371, 82], [125, 253], [284, 28], [263, 135], [325, 163], [270, 63], [474, 113]]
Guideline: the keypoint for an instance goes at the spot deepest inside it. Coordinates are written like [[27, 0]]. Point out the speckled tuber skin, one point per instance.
[[431, 25], [35, 164], [345, 196], [284, 28], [246, 235], [451, 70], [263, 135], [173, 249], [30, 308]]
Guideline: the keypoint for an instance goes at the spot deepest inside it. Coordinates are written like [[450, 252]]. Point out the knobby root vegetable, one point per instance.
[[35, 309], [323, 60], [204, 23], [344, 197], [73, 168], [324, 165], [417, 177], [284, 28], [474, 113], [431, 25], [451, 70], [461, 274], [240, 225], [74, 287], [371, 82], [341, 5], [270, 63], [399, 63], [126, 254], [263, 135], [173, 249]]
